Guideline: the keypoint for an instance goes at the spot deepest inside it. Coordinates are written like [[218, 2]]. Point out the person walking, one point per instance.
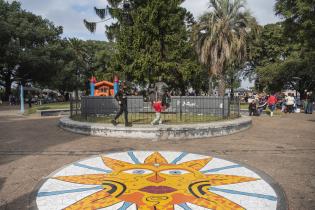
[[305, 101], [29, 99], [11, 99], [262, 103], [310, 103], [289, 100], [121, 97], [157, 106], [272, 101]]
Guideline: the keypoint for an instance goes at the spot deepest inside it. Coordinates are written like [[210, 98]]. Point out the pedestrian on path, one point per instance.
[[157, 106], [272, 101], [262, 104], [29, 100], [310, 103], [121, 97], [289, 100]]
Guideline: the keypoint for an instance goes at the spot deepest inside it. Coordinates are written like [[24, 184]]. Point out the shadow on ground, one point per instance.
[[22, 136], [2, 180], [17, 203]]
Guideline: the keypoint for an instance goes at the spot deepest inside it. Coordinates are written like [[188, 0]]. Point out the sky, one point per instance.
[[70, 14]]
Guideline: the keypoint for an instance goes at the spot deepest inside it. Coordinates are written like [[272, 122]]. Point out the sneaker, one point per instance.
[[128, 125], [154, 123], [114, 122]]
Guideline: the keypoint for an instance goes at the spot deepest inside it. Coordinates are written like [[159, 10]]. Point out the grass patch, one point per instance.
[[244, 106], [61, 105], [146, 118]]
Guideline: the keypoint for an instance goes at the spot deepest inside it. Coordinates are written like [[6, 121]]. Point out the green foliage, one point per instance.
[[79, 60], [222, 38], [280, 75], [24, 40], [31, 50], [299, 20], [152, 40], [284, 54]]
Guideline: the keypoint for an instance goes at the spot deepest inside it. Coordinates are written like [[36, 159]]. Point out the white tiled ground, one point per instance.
[[94, 165]]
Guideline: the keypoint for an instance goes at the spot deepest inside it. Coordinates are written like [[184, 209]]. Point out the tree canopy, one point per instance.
[[284, 53], [24, 49], [152, 39], [222, 36], [32, 50]]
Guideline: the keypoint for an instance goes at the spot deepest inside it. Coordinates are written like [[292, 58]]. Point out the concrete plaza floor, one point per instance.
[[33, 147]]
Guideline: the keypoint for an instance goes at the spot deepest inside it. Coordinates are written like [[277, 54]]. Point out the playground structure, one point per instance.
[[103, 88]]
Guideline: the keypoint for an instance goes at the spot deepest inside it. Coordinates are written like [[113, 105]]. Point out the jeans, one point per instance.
[[309, 108], [272, 107], [305, 106], [123, 109]]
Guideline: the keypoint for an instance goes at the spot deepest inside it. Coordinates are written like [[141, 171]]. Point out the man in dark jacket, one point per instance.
[[121, 97]]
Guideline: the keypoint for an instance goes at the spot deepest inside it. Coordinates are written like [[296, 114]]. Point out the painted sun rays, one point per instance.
[[118, 184]]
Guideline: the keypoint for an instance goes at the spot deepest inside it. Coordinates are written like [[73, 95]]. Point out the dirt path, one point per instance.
[[32, 148]]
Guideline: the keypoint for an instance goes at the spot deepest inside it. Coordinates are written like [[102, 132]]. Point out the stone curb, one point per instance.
[[159, 132], [53, 112]]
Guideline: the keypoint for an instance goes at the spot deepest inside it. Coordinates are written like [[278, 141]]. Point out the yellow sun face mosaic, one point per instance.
[[156, 184]]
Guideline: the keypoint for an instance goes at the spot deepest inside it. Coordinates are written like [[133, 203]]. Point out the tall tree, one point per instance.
[[299, 20], [23, 35], [222, 35], [152, 40], [76, 61], [285, 51]]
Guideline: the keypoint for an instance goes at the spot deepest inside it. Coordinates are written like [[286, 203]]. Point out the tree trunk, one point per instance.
[[221, 85], [210, 89], [232, 88], [8, 84]]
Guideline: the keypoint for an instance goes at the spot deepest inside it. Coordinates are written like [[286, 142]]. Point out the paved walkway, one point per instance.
[[32, 148]]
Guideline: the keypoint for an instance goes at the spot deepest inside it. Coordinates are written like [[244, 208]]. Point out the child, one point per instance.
[[262, 103], [157, 106], [252, 108], [272, 101]]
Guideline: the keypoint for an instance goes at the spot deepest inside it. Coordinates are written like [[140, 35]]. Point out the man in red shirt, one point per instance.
[[272, 101]]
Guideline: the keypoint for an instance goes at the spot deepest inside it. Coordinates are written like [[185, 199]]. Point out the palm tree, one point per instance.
[[221, 37]]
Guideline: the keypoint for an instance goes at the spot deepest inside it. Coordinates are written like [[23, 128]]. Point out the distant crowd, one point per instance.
[[287, 103]]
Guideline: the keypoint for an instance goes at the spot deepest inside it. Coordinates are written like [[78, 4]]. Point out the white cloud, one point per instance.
[[70, 13], [261, 9]]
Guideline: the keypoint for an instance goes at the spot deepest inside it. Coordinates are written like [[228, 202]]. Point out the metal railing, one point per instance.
[[182, 109]]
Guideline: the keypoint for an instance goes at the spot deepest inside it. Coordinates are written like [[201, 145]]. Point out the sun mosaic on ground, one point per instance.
[[155, 181]]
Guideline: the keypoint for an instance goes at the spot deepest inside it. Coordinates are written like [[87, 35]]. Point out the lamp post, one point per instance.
[[22, 110]]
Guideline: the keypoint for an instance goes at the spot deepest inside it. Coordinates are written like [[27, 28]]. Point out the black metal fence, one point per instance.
[[182, 109]]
